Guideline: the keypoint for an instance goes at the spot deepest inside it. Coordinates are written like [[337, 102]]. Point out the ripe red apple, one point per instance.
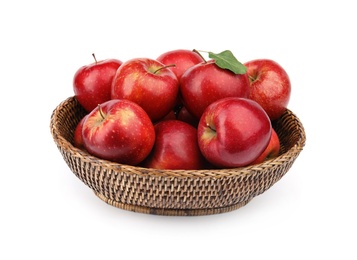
[[204, 83], [77, 136], [170, 116], [272, 149], [92, 82], [184, 115], [148, 83], [183, 59], [119, 130], [233, 132], [175, 148], [270, 86]]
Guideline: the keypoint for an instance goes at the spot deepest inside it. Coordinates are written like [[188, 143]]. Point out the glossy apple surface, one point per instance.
[[272, 149], [270, 86], [169, 116], [184, 115], [77, 136], [92, 82], [204, 83], [175, 148], [148, 83], [119, 131], [233, 132], [182, 58]]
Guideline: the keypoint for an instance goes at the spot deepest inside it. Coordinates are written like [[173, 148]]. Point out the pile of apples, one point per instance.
[[180, 111]]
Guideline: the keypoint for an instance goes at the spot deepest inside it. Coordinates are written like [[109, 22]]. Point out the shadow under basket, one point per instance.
[[174, 192]]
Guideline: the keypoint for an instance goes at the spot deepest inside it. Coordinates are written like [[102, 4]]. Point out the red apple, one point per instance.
[[183, 59], [233, 132], [92, 83], [119, 130], [270, 86], [204, 83], [272, 149], [170, 116], [148, 83], [184, 115], [77, 136], [175, 148]]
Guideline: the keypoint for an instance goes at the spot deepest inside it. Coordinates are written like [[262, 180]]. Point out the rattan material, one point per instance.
[[174, 192]]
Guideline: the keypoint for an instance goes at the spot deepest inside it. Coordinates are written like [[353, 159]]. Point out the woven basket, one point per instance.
[[174, 192]]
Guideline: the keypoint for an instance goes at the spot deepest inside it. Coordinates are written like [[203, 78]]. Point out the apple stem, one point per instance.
[[101, 111], [194, 50], [167, 66], [252, 78], [94, 58], [210, 127]]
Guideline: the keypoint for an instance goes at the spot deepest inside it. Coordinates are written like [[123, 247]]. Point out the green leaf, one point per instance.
[[226, 60]]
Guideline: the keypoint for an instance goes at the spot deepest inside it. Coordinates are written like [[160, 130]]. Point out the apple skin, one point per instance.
[[184, 115], [171, 115], [77, 136], [175, 148], [204, 83], [182, 58], [270, 86], [233, 132], [92, 82], [155, 92], [272, 149], [119, 130]]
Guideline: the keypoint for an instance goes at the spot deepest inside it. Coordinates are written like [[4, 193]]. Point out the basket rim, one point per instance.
[[213, 173]]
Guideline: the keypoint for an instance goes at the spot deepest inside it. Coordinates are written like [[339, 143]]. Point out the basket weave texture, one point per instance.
[[174, 192]]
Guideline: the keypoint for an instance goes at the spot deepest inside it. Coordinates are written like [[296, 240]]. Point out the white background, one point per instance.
[[47, 213]]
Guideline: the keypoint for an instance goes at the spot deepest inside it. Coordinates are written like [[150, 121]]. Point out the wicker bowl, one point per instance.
[[174, 192]]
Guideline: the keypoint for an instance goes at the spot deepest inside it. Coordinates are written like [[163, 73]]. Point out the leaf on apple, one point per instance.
[[226, 60]]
